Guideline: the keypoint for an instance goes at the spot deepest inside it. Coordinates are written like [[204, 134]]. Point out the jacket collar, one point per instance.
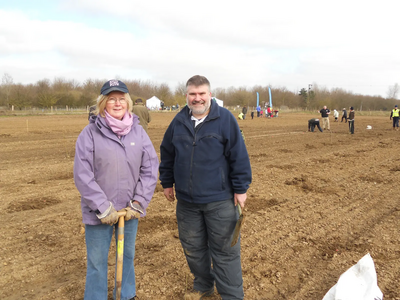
[[101, 124]]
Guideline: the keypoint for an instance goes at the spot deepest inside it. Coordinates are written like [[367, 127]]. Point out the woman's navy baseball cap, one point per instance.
[[112, 86]]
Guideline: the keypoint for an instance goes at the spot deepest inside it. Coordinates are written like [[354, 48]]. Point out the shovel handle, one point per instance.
[[121, 213], [120, 252]]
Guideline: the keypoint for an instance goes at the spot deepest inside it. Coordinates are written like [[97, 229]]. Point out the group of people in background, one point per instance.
[[116, 169], [325, 112], [312, 123], [267, 112]]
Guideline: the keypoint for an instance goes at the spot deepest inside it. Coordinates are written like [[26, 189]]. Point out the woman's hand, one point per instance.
[[111, 218], [131, 214]]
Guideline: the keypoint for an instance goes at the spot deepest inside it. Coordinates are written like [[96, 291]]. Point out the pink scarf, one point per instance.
[[120, 127]]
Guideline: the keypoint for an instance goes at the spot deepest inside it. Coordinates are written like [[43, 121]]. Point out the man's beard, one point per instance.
[[199, 110]]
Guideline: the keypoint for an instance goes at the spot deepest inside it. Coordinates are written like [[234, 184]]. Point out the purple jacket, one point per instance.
[[108, 169]]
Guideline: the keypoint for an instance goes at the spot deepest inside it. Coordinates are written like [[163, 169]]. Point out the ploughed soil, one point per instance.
[[318, 203]]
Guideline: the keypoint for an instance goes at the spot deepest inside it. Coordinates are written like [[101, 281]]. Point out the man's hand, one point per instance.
[[111, 218], [131, 214], [169, 194], [241, 199]]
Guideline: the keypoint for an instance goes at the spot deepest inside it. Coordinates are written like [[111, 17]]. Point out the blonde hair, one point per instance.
[[102, 102]]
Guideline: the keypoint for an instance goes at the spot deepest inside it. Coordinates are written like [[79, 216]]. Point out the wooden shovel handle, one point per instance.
[[121, 213], [120, 252]]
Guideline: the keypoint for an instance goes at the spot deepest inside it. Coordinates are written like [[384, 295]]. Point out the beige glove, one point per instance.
[[111, 218], [131, 214]]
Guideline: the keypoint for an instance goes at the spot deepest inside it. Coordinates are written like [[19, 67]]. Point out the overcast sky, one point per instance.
[[348, 44]]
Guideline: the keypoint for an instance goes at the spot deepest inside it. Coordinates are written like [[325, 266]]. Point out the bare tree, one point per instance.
[[19, 96], [163, 92], [45, 94], [393, 91], [7, 82], [180, 93]]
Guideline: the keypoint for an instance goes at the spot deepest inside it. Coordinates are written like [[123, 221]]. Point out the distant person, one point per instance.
[[312, 123], [325, 117], [258, 111], [336, 115], [261, 113], [91, 111], [395, 116], [142, 112], [276, 112], [269, 112], [115, 168], [240, 116], [244, 111], [344, 115], [252, 115], [351, 120]]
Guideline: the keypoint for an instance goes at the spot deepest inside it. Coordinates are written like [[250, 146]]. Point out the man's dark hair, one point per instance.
[[198, 80], [139, 100]]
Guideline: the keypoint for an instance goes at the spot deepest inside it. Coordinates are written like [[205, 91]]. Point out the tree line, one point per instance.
[[62, 92]]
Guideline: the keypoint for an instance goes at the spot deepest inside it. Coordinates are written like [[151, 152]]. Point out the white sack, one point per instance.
[[357, 283]]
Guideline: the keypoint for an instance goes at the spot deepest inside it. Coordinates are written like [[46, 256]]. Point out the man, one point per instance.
[[258, 111], [312, 123], [325, 117], [344, 115], [142, 112], [351, 120], [395, 115], [244, 112], [204, 157]]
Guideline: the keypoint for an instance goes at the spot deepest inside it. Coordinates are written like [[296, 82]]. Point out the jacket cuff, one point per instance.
[[105, 213], [141, 201], [137, 207], [167, 185], [103, 207], [240, 192]]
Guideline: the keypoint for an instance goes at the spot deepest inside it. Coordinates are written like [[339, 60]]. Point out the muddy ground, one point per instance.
[[318, 203]]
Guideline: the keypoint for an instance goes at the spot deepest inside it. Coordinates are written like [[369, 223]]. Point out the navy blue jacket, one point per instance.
[[206, 165]]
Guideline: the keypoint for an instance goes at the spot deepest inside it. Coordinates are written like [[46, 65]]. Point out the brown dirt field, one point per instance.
[[318, 203]]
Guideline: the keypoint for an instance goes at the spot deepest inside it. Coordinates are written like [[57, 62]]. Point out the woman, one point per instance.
[[115, 168]]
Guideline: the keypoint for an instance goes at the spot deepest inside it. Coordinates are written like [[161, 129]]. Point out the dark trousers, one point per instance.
[[205, 232], [345, 118], [351, 126], [311, 126], [395, 122]]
